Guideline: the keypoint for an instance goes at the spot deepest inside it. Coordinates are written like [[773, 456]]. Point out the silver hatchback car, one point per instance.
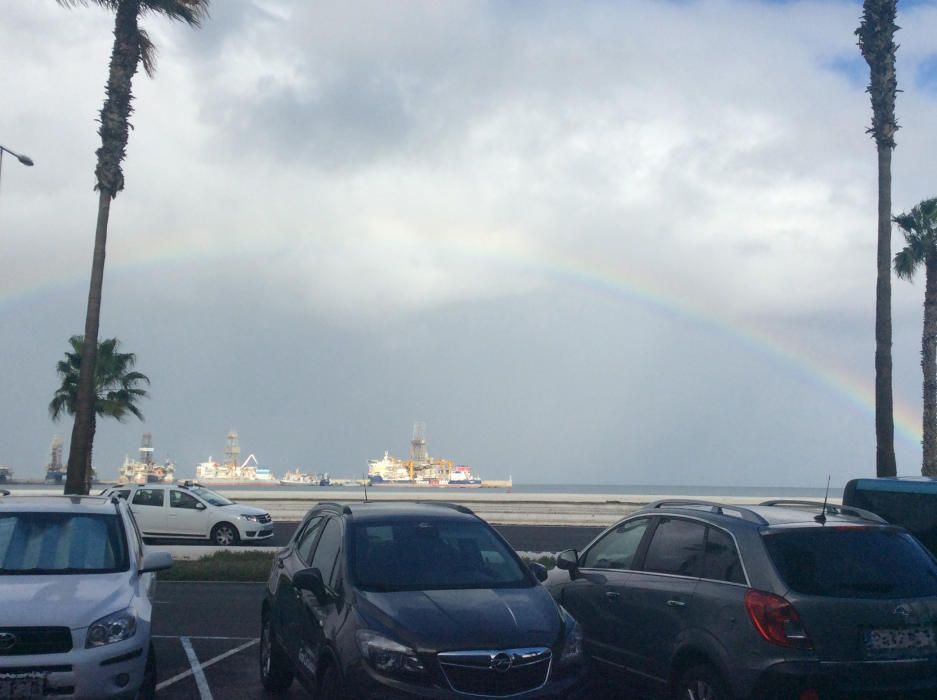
[[784, 600]]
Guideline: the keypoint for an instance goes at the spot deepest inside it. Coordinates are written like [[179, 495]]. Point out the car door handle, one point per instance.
[[676, 603], [612, 595]]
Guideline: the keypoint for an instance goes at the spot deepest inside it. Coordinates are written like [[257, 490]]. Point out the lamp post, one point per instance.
[[25, 160]]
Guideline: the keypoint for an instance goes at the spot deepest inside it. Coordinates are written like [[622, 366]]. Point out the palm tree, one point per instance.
[[877, 43], [919, 227], [132, 46], [116, 392]]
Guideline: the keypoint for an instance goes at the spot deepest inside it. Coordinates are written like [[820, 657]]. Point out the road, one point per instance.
[[206, 637], [524, 538]]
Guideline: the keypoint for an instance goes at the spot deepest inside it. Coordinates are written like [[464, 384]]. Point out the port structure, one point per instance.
[[232, 451], [146, 449], [418, 443]]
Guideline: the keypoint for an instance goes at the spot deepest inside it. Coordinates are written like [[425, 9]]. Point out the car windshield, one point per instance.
[[215, 499], [415, 555], [61, 543], [853, 562]]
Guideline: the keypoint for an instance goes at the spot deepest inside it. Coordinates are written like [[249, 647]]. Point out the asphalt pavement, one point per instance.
[[206, 637]]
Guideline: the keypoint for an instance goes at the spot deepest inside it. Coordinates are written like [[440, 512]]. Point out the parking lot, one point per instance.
[[206, 637]]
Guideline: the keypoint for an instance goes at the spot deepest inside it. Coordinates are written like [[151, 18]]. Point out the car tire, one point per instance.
[[330, 686], [225, 535], [148, 687], [701, 682], [276, 672]]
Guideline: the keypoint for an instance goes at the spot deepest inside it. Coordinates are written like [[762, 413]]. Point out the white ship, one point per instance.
[[420, 469], [298, 478], [145, 470], [230, 472]]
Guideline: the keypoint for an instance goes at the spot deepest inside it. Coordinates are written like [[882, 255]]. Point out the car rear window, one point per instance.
[[61, 543], [853, 562], [426, 555]]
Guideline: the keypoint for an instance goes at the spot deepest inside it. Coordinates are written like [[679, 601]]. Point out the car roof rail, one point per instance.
[[455, 506], [831, 508], [343, 508], [731, 511]]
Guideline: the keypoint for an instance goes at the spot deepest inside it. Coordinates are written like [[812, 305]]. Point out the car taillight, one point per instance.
[[776, 620]]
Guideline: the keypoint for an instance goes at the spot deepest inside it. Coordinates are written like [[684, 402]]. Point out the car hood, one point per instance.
[[74, 600], [489, 618]]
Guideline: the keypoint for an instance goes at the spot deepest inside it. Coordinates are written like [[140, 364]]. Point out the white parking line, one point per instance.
[[203, 690], [185, 674]]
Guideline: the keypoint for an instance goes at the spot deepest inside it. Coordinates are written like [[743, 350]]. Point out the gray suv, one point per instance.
[[787, 599]]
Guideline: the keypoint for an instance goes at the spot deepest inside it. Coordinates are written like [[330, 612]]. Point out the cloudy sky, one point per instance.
[[611, 242]]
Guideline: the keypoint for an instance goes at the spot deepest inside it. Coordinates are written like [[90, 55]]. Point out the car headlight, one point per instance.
[[115, 627], [386, 655], [252, 518], [572, 644]]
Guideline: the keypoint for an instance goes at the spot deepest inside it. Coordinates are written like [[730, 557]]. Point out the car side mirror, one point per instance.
[[155, 561], [200, 506], [538, 570], [568, 561], [311, 580]]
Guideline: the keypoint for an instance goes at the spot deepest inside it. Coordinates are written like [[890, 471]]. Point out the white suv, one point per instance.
[[76, 587], [192, 511]]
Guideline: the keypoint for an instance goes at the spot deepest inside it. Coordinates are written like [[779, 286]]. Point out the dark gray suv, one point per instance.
[[709, 601]]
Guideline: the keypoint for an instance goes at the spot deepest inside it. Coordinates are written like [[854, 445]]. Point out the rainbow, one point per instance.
[[597, 277]]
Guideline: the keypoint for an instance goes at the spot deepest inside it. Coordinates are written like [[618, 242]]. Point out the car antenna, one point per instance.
[[822, 517]]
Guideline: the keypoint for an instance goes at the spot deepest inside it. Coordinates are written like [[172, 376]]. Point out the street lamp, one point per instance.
[[25, 160]]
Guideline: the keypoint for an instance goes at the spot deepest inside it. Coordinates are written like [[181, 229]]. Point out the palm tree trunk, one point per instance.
[[79, 466], [114, 131], [929, 367], [884, 402]]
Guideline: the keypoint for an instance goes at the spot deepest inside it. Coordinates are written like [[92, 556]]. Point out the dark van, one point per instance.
[[907, 501]]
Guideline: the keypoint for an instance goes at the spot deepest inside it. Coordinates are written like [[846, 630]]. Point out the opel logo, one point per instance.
[[501, 662], [7, 640], [904, 611]]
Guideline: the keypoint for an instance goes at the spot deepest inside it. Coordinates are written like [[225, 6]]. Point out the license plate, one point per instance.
[[901, 643], [22, 685]]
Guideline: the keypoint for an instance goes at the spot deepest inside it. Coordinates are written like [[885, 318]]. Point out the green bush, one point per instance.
[[222, 566]]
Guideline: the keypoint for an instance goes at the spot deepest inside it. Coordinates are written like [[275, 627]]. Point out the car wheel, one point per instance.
[[225, 535], [701, 682], [276, 673], [330, 686], [148, 687]]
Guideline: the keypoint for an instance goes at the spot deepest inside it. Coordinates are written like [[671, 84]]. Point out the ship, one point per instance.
[[230, 472], [145, 470], [55, 470], [6, 475], [298, 478], [420, 469]]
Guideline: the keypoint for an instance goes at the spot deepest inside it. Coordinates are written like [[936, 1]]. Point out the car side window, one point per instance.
[[676, 548], [122, 493], [327, 550], [308, 539], [180, 499], [148, 497], [617, 549], [722, 561]]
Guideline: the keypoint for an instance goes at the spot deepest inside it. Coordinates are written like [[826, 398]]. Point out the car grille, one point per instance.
[[265, 518], [20, 641], [496, 674]]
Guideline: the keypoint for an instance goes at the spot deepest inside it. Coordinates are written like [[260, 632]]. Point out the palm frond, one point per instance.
[[192, 12]]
